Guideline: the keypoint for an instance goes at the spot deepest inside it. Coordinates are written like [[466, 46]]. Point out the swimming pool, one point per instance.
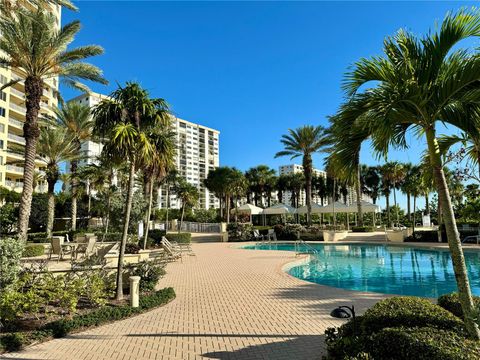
[[385, 269]]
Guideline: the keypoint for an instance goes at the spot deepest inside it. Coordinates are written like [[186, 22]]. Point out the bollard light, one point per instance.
[[134, 291]]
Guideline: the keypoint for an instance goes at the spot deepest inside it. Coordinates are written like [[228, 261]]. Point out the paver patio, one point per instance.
[[231, 304]]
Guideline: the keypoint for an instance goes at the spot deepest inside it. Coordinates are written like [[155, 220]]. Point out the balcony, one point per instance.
[[14, 184], [16, 138], [15, 169], [15, 123], [18, 108], [17, 93]]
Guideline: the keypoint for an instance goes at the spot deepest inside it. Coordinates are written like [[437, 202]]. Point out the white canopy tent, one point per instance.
[[366, 207], [248, 209], [327, 209], [279, 209], [316, 209]]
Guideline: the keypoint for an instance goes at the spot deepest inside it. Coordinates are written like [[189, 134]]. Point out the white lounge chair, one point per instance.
[[172, 251]]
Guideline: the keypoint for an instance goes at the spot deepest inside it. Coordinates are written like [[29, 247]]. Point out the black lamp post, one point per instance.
[[344, 312]]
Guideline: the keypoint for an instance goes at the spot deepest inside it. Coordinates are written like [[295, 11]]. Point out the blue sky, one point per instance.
[[250, 69]]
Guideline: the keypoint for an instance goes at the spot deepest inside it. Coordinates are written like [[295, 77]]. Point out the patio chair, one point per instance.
[[181, 247], [257, 235], [57, 247], [171, 251], [87, 248], [272, 235]]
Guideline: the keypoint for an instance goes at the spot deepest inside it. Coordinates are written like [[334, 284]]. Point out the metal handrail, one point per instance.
[[307, 245]]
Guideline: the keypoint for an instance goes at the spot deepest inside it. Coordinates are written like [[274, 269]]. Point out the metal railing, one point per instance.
[[12, 121], [17, 138], [18, 108], [15, 168], [201, 227], [18, 93], [310, 249]]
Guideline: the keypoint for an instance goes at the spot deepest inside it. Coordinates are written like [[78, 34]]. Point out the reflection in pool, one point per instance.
[[382, 268]]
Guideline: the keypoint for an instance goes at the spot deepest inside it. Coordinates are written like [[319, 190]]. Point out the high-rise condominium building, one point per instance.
[[294, 168], [197, 154], [12, 118]]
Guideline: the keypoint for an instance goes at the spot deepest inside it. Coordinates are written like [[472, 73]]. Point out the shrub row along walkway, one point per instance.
[[231, 304]]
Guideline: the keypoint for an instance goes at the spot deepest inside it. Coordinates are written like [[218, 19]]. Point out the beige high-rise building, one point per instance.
[[12, 118]]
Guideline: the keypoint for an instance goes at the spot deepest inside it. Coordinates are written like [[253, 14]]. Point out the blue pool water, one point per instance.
[[382, 268]]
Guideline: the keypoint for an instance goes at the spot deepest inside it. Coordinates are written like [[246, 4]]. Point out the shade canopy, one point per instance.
[[279, 209], [327, 209], [248, 209], [366, 207]]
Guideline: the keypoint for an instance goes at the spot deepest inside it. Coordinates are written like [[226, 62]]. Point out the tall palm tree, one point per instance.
[[281, 186], [188, 196], [471, 143], [395, 175], [304, 141], [76, 118], [418, 82], [124, 121], [164, 143], [170, 180], [406, 187], [31, 42], [55, 146], [386, 190], [260, 181]]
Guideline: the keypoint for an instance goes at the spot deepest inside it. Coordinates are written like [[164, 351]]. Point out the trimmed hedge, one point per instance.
[[402, 328], [106, 314], [451, 302], [156, 235], [363, 229], [181, 238], [408, 312], [422, 344], [33, 250]]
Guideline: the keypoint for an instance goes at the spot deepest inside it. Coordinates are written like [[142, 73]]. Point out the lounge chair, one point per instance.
[[57, 247], [257, 235], [271, 235], [172, 252], [87, 248]]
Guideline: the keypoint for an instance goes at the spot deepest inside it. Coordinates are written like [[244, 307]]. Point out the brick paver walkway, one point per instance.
[[231, 304]]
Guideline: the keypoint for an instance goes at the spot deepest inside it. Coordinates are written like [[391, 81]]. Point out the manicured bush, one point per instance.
[[33, 250], [109, 237], [181, 238], [451, 302], [156, 235], [289, 231], [311, 236], [422, 344], [131, 248], [423, 236], [61, 328], [150, 274], [240, 231], [408, 312], [362, 229], [10, 253]]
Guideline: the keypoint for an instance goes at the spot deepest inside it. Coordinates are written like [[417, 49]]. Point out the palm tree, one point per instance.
[[188, 196], [125, 121], [30, 42], [386, 189], [395, 175], [418, 82], [76, 118], [304, 142], [281, 186], [157, 167], [406, 187], [216, 182], [239, 185], [170, 180], [470, 142], [55, 146], [260, 180]]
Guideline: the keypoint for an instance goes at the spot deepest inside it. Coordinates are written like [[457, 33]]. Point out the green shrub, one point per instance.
[[150, 274], [33, 250], [61, 328], [131, 248], [422, 344], [156, 235], [408, 312], [288, 231], [451, 303], [240, 231], [109, 237], [10, 254], [423, 236], [362, 229], [12, 342], [311, 236], [181, 238]]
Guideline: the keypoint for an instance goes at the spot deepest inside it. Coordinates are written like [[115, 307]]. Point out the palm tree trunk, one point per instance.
[[168, 206], [126, 223], [307, 168], [181, 218], [427, 204], [227, 205], [149, 212], [31, 132], [387, 199], [439, 216], [453, 237], [359, 197], [89, 199], [74, 189], [396, 205], [109, 204], [414, 212], [408, 207], [51, 208]]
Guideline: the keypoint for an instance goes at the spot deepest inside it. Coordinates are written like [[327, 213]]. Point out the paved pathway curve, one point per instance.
[[231, 304]]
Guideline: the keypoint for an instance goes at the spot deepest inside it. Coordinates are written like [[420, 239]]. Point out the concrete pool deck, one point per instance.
[[231, 304]]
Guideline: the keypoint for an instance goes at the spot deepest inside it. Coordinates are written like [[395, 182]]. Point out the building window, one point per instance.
[[3, 96], [1, 160], [2, 111], [1, 144], [2, 128], [3, 79]]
